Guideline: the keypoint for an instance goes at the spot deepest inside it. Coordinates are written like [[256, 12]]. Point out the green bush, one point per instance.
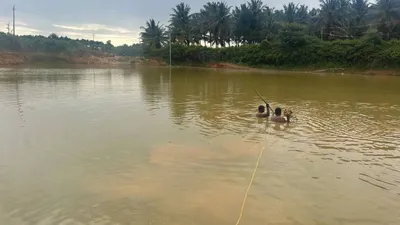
[[56, 45]]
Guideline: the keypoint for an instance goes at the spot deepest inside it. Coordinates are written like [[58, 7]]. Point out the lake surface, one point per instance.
[[154, 146]]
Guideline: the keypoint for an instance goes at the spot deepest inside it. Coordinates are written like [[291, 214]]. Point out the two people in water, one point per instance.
[[277, 117]]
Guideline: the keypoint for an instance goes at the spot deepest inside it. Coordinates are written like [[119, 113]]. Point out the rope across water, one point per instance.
[[251, 181]]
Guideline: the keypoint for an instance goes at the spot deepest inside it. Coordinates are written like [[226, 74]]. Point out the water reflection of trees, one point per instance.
[[198, 96]]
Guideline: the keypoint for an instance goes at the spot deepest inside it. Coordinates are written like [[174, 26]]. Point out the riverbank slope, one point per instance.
[[19, 58], [16, 58]]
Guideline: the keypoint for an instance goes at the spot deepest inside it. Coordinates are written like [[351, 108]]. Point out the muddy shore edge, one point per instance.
[[16, 59]]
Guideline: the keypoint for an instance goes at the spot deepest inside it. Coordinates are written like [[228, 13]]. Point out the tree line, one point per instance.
[[55, 44], [220, 25], [340, 32]]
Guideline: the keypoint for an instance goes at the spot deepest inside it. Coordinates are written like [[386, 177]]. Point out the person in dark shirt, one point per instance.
[[261, 111]]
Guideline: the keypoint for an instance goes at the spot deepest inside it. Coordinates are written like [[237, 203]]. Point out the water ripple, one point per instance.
[[146, 146]]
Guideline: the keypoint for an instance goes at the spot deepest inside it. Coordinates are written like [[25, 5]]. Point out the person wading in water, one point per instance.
[[278, 114], [261, 111], [279, 118]]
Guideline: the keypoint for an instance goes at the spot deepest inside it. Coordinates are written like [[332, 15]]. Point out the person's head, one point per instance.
[[261, 109], [278, 111]]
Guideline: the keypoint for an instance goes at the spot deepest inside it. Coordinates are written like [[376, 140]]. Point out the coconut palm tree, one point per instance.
[[223, 21], [153, 34], [216, 21], [293, 13], [387, 14], [257, 21], [197, 28], [209, 15], [334, 18], [250, 22], [270, 28], [290, 11], [315, 26], [302, 16], [240, 25], [358, 16], [181, 23], [256, 6]]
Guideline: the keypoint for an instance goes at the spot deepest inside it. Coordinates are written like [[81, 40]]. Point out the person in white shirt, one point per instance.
[[279, 118]]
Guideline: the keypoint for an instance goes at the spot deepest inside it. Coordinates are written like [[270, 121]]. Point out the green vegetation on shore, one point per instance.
[[54, 44], [368, 52], [341, 33]]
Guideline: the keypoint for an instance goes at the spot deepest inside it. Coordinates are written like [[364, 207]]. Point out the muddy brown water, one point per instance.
[[160, 146]]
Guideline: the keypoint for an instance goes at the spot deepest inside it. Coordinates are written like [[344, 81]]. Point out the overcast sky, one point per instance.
[[116, 20]]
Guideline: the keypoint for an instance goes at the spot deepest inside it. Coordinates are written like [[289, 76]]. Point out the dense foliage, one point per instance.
[[340, 32], [369, 52], [64, 45]]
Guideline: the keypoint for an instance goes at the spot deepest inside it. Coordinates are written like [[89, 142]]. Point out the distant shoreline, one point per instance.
[[338, 71], [19, 59]]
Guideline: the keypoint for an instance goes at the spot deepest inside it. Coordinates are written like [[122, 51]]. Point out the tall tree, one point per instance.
[[108, 47], [302, 16], [223, 23], [358, 16], [209, 15], [257, 21], [334, 18], [181, 23], [198, 33], [216, 21], [250, 21], [290, 11], [241, 17], [387, 14], [271, 27], [153, 35], [315, 24]]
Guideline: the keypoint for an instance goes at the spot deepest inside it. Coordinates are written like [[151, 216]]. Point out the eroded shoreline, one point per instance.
[[18, 59]]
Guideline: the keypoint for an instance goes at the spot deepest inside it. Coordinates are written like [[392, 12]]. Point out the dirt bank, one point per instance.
[[7, 58], [11, 58], [340, 71], [149, 62], [111, 60], [15, 58], [229, 66]]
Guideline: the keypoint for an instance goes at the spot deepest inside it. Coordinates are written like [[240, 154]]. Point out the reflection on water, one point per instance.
[[161, 146]]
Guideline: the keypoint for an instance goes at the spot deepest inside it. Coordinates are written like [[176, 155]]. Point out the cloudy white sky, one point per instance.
[[115, 20]]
